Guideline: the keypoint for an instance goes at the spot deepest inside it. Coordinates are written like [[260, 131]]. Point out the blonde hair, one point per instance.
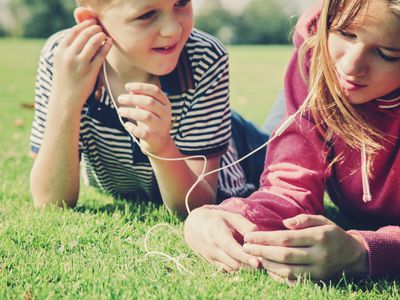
[[333, 114]]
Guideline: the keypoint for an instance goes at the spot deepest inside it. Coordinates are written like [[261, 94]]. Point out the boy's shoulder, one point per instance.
[[52, 42], [200, 41]]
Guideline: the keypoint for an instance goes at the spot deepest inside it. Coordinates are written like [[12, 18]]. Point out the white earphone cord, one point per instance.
[[200, 177]]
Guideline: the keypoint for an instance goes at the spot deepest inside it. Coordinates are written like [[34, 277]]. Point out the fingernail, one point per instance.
[[121, 111], [290, 222], [253, 262], [247, 248], [246, 238], [129, 86]]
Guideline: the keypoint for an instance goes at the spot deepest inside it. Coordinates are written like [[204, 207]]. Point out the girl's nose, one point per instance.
[[170, 27], [354, 62]]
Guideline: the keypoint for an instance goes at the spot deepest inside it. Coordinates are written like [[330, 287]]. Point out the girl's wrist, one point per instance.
[[360, 265]]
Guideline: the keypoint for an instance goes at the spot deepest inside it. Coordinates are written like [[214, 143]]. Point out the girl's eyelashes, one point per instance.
[[351, 36], [386, 57], [182, 3], [347, 34]]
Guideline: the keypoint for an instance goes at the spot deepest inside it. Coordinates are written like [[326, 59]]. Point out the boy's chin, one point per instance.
[[164, 71]]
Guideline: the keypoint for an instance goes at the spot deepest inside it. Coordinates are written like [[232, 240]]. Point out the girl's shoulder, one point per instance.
[[307, 24]]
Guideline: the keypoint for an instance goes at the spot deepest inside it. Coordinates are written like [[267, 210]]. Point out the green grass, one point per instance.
[[96, 251]]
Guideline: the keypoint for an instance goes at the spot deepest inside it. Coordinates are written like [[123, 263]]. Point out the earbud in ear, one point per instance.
[[83, 13]]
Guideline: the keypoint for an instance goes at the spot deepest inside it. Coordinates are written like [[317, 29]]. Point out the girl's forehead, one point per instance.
[[377, 20]]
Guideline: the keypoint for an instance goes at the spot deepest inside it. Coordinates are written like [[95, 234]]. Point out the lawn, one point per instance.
[[96, 251]]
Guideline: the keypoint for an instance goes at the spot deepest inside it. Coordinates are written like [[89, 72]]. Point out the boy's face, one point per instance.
[[149, 34]]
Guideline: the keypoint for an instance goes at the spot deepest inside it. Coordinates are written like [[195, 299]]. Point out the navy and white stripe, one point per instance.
[[199, 93]]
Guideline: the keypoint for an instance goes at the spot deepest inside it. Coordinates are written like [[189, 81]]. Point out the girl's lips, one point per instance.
[[166, 50], [350, 85]]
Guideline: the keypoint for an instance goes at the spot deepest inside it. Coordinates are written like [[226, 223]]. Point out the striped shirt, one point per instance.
[[198, 90]]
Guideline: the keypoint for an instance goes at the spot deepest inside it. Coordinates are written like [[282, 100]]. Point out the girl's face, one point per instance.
[[148, 34], [366, 56]]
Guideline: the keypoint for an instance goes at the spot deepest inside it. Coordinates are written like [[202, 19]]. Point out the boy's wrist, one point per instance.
[[169, 149]]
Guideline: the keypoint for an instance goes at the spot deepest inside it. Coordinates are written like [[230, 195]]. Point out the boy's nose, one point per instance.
[[170, 27], [355, 62]]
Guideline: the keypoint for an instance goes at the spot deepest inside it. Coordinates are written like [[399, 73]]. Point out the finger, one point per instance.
[[220, 256], [232, 248], [304, 221], [286, 238], [239, 223], [221, 266], [140, 115], [100, 56], [75, 31], [143, 132], [93, 46], [286, 270], [83, 38], [287, 255], [142, 101], [148, 89]]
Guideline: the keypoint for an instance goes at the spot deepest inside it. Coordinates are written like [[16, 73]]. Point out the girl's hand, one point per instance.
[[314, 245], [77, 62], [149, 113], [211, 233]]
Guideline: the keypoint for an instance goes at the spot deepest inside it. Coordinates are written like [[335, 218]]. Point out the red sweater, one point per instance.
[[297, 172]]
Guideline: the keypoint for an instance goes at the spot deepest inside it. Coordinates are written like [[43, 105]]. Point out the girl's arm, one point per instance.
[[383, 248], [293, 181], [60, 94]]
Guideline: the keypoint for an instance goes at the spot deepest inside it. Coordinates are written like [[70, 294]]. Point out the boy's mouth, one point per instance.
[[166, 49]]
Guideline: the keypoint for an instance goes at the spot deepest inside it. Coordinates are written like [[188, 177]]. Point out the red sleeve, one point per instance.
[[383, 247], [293, 181], [294, 175]]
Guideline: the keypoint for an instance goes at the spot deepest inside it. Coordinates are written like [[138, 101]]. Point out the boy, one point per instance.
[[170, 83]]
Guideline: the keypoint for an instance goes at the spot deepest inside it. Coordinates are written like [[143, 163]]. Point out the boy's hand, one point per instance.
[[212, 233], [77, 61], [148, 110], [313, 245]]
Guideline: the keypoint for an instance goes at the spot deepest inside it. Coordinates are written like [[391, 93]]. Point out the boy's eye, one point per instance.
[[386, 57], [147, 15], [182, 3], [347, 34]]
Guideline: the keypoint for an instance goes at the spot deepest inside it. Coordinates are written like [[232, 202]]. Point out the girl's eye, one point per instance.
[[347, 34], [182, 3], [147, 15], [386, 57]]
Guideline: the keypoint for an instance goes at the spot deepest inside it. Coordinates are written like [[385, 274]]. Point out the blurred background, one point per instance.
[[232, 21]]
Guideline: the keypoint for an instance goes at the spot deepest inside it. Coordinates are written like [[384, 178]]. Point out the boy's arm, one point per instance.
[[175, 178], [204, 130], [62, 92]]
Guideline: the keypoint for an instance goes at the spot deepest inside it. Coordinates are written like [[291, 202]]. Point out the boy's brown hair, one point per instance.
[[95, 4]]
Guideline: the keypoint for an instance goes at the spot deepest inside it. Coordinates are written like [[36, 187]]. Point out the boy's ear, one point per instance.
[[84, 13]]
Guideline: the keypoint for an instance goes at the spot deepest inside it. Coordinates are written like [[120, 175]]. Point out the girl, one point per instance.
[[143, 61], [344, 139]]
